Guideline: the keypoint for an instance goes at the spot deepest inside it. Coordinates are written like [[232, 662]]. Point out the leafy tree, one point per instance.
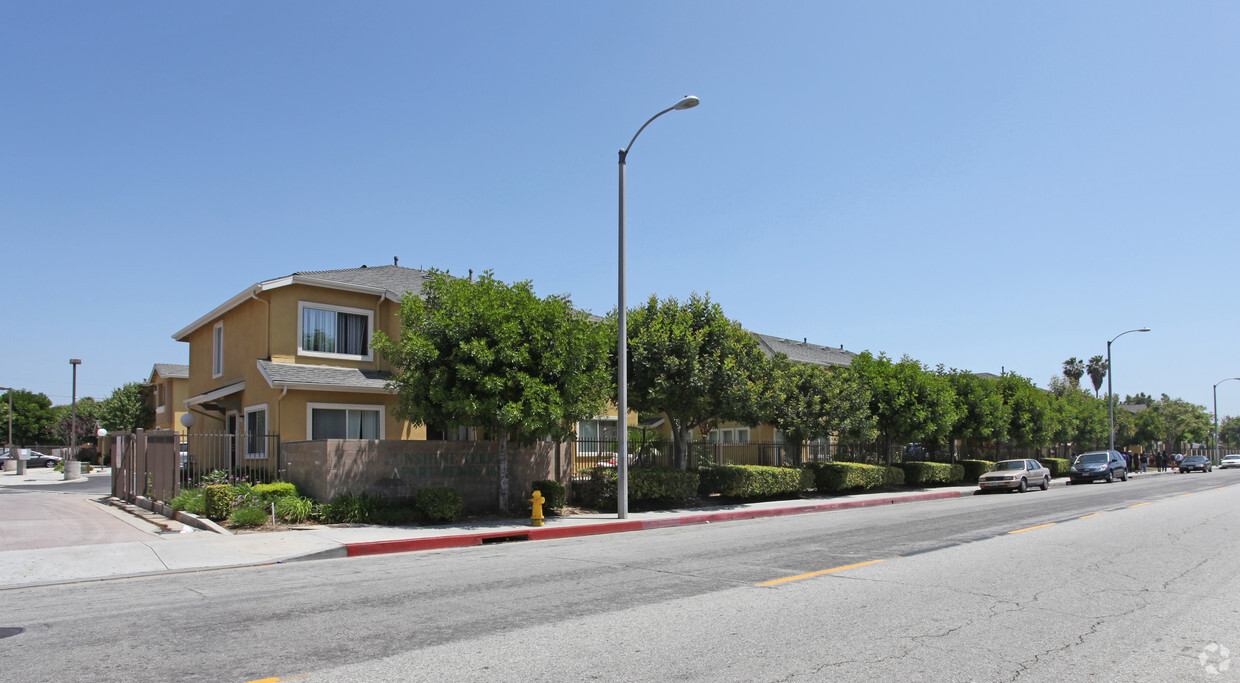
[[1031, 414], [688, 361], [487, 354], [1147, 426], [1074, 369], [1080, 419], [1182, 421], [1229, 432], [87, 422], [1097, 369], [127, 409], [33, 417], [1141, 398], [807, 401], [909, 403], [985, 417]]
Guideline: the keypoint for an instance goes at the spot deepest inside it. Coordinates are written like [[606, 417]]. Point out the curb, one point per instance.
[[546, 533]]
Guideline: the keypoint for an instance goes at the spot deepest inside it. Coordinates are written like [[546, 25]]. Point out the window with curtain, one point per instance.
[[331, 331], [256, 433], [345, 423]]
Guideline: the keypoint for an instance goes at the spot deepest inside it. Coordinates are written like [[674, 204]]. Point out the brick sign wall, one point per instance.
[[395, 469]]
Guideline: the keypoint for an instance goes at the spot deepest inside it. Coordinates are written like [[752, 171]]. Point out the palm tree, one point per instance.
[[1097, 370], [1074, 369]]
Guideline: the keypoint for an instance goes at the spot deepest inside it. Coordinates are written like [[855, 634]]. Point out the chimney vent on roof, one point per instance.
[[471, 274], [363, 265], [396, 260], [804, 340], [841, 347]]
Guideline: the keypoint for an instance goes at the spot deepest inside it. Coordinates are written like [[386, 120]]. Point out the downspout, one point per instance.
[[280, 413]]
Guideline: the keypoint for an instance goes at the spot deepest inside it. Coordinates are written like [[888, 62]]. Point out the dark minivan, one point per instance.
[[1095, 465]]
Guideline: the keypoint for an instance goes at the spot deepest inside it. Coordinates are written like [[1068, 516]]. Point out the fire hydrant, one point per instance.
[[536, 518]]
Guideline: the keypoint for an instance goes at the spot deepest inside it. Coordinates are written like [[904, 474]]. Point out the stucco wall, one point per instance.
[[393, 469]]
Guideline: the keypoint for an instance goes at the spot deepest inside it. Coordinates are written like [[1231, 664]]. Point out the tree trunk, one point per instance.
[[680, 446], [795, 449]]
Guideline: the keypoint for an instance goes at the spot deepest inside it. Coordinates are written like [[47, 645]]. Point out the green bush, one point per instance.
[[295, 509], [274, 491], [831, 477], [647, 485], [193, 501], [218, 501], [893, 476], [749, 481], [248, 516], [928, 473], [1058, 466], [553, 491], [349, 508], [438, 505], [974, 469]]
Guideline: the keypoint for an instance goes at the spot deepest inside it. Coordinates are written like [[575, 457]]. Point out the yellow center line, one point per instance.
[[825, 571], [1185, 495], [1031, 528], [1140, 504], [1088, 516]]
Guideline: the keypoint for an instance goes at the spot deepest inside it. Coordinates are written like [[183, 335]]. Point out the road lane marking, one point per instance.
[[1090, 515], [1031, 528], [825, 571], [1140, 504], [1185, 495]]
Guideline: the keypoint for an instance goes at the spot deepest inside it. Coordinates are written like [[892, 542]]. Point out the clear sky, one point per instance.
[[985, 185]]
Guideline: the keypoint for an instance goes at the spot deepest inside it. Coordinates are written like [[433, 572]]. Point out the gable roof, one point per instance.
[[390, 281], [323, 377], [804, 352], [171, 370]]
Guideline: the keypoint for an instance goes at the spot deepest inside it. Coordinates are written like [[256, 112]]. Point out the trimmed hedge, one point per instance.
[[646, 485], [272, 492], [927, 473], [217, 502], [438, 504], [893, 476], [1058, 466], [830, 477], [751, 481], [974, 469], [553, 491]]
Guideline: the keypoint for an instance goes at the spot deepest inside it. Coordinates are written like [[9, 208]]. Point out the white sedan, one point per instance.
[[1229, 461], [1015, 475]]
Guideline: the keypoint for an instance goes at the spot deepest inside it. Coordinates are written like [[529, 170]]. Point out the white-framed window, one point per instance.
[[256, 432], [344, 421], [729, 435], [327, 331], [217, 350], [160, 401]]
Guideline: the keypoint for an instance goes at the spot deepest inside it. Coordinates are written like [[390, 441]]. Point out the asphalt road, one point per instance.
[[1127, 581]]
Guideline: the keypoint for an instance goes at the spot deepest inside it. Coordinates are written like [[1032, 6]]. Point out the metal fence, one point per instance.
[[158, 464]]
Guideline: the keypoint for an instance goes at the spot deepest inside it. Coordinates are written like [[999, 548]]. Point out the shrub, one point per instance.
[[646, 485], [1058, 466], [438, 505], [748, 481], [927, 473], [218, 501], [830, 477], [248, 516], [294, 509], [190, 500], [349, 508], [973, 469], [893, 476], [274, 491], [553, 491]]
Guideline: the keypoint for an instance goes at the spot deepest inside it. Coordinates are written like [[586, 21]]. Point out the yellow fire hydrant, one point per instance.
[[536, 519]]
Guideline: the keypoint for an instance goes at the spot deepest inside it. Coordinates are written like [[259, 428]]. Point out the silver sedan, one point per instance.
[[1015, 475]]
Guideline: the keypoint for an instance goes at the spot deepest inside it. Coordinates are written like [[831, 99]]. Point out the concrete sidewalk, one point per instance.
[[199, 550]]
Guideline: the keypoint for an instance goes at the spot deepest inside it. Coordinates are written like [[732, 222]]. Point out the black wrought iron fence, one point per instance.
[[247, 457]]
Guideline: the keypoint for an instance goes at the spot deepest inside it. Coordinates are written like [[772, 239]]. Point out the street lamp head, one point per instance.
[[1144, 329], [101, 432], [75, 361], [687, 102]]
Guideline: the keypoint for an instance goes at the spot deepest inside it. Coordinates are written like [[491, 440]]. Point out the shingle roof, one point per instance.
[[804, 352], [172, 370], [294, 375], [392, 278]]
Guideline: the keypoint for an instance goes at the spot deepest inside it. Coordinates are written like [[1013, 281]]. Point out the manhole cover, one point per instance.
[[6, 631]]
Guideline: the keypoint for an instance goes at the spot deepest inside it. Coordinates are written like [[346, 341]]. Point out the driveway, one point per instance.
[[31, 518]]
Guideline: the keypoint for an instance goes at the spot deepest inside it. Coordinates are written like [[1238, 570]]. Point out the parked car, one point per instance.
[[1015, 475], [1229, 461], [1195, 463], [32, 458], [1094, 465]]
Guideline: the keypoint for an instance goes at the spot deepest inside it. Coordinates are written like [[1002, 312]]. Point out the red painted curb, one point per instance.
[[545, 533]]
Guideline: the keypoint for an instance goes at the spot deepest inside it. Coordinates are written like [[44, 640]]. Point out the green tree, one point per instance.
[[488, 354], [1031, 415], [909, 403], [1097, 369], [87, 422], [33, 417], [1229, 432], [1141, 398], [1074, 369], [807, 401], [984, 415], [687, 361], [1080, 419], [1182, 422], [127, 409]]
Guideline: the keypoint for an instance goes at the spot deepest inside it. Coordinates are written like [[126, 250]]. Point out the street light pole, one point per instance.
[[73, 422], [13, 456], [1217, 452], [1110, 397], [622, 344]]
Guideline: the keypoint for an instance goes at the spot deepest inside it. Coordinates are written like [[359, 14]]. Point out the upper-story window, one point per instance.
[[335, 331], [217, 350]]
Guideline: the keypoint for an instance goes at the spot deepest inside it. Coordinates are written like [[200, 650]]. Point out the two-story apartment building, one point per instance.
[[169, 387]]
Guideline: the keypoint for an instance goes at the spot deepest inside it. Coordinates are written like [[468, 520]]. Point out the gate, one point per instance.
[[158, 464]]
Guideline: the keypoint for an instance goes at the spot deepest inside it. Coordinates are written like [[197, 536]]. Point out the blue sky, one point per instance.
[[983, 185]]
